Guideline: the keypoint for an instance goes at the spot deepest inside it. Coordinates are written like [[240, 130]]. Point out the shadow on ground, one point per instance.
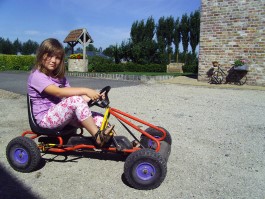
[[12, 188]]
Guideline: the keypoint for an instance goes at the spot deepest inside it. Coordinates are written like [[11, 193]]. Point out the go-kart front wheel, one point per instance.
[[23, 154], [145, 169]]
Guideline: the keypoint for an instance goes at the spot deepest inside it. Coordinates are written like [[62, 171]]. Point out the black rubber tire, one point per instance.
[[148, 143], [243, 80], [23, 154], [165, 150], [219, 77], [145, 169]]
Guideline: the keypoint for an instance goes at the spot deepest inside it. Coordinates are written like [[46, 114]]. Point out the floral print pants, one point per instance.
[[72, 110]]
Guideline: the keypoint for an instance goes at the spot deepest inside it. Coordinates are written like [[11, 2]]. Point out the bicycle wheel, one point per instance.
[[243, 80], [218, 77]]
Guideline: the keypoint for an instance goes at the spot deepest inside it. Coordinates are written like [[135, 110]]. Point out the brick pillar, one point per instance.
[[233, 29]]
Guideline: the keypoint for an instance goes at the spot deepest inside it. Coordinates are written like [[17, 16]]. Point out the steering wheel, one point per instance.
[[102, 103]]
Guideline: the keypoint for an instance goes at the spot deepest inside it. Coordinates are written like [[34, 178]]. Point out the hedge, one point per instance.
[[99, 64], [190, 68], [96, 64], [15, 62]]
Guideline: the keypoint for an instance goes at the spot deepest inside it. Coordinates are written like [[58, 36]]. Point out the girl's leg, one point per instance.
[[97, 117], [68, 110], [92, 124]]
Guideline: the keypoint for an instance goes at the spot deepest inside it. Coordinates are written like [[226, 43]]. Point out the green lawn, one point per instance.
[[151, 73]]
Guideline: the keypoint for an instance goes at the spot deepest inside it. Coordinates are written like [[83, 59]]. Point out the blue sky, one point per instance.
[[107, 21]]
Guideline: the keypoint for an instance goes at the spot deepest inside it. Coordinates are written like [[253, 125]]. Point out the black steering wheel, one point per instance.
[[102, 103]]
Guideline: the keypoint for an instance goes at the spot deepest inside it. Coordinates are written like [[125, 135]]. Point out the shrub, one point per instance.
[[98, 64], [15, 62], [101, 64], [190, 68], [191, 64]]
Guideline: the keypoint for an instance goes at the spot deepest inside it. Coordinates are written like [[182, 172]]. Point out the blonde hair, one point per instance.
[[50, 47]]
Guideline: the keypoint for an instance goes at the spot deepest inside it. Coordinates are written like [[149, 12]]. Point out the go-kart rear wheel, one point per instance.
[[148, 143], [145, 169], [23, 154]]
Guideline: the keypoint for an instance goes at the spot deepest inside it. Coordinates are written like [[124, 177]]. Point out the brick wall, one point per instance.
[[233, 29]]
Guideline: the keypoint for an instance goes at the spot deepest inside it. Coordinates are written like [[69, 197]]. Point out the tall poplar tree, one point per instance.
[[149, 46], [169, 31], [184, 29], [161, 41], [137, 35], [176, 38], [142, 43], [194, 27]]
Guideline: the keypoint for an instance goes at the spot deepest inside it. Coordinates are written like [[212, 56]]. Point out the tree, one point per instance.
[[29, 47], [184, 29], [125, 50], [92, 48], [1, 44], [169, 31], [137, 35], [177, 38], [194, 27], [142, 43], [149, 29], [7, 47], [17, 46], [148, 43], [117, 54], [68, 49], [161, 41], [79, 50], [109, 51], [152, 43]]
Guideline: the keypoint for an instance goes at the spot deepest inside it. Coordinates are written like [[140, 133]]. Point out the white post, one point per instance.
[[84, 44]]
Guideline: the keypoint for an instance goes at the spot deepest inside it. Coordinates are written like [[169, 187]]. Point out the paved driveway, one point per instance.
[[16, 81], [217, 148]]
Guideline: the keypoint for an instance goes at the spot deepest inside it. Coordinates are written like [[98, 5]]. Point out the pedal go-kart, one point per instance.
[[146, 157]]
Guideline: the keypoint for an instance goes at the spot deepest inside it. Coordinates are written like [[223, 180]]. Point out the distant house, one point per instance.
[[90, 53], [100, 54]]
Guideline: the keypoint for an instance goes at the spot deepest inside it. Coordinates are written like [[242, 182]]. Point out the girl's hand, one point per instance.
[[102, 95], [87, 99], [92, 94]]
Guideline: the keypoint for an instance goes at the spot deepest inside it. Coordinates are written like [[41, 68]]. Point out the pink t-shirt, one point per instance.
[[41, 101]]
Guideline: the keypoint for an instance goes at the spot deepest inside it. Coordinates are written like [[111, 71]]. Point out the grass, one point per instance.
[[151, 73]]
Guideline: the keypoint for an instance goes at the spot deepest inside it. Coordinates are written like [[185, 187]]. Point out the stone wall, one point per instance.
[[230, 30], [78, 65], [175, 68]]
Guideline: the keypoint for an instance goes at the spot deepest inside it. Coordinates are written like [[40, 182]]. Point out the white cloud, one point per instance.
[[60, 33], [32, 32]]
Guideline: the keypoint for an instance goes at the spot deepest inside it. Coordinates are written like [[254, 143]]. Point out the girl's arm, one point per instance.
[[71, 91]]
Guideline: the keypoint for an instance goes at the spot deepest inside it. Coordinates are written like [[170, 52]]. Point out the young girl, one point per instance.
[[54, 103]]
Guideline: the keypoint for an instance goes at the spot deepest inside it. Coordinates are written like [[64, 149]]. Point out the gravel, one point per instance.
[[218, 147]]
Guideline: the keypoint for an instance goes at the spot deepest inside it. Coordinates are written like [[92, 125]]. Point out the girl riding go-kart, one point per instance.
[[54, 118]]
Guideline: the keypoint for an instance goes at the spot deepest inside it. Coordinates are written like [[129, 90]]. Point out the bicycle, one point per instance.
[[234, 75], [217, 76]]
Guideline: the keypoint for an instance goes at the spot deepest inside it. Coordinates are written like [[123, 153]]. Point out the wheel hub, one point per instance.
[[21, 156], [145, 171]]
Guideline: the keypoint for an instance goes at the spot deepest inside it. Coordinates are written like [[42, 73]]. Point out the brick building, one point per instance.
[[230, 30]]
